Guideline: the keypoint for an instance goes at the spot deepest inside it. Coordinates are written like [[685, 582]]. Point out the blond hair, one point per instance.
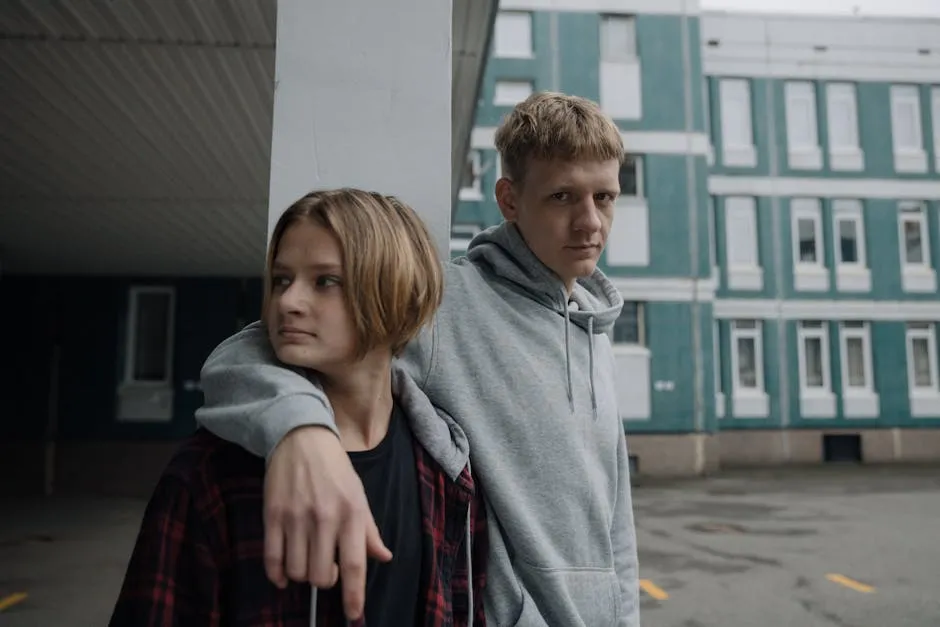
[[392, 275], [549, 125]]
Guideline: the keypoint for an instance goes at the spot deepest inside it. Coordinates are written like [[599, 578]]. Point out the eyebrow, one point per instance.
[[317, 267]]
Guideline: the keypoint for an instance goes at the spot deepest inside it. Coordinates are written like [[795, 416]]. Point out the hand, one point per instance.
[[314, 503]]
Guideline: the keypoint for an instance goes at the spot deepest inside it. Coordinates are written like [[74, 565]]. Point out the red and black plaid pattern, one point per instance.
[[199, 557]]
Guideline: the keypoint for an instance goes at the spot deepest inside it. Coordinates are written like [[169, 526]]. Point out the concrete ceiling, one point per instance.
[[136, 135]]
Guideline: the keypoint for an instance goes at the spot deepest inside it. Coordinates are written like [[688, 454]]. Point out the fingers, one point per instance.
[[352, 567], [298, 547], [374, 545], [322, 551], [274, 551]]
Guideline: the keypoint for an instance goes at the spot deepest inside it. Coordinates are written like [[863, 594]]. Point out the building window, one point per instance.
[[922, 369], [471, 179], [842, 114], [461, 235], [814, 356], [149, 353], [802, 129], [713, 239], [707, 112], [737, 132], [631, 177], [628, 242], [511, 93], [917, 275], [935, 120], [856, 357], [809, 266], [630, 325], [719, 376], [909, 154], [512, 35], [620, 85], [748, 355], [848, 229], [742, 250]]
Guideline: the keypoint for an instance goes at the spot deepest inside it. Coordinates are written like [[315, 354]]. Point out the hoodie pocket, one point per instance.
[[574, 597]]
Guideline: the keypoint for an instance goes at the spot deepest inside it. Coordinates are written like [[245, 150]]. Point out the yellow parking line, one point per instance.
[[653, 590], [858, 586], [13, 599]]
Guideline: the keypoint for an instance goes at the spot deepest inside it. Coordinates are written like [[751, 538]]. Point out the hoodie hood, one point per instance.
[[594, 303]]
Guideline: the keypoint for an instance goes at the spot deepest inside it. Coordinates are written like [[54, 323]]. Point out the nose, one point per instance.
[[295, 300], [588, 217]]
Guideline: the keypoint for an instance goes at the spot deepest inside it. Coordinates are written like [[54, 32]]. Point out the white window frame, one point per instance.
[[802, 155], [935, 122], [817, 401], [742, 154], [908, 158], [742, 276], [475, 191], [707, 112], [713, 242], [637, 161], [501, 46], [626, 56], [863, 401], [924, 400], [629, 238], [808, 276], [850, 276], [918, 277], [130, 350], [461, 236], [748, 402], [502, 99], [619, 75], [716, 364], [848, 157]]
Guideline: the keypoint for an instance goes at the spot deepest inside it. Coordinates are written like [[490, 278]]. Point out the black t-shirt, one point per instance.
[[390, 478]]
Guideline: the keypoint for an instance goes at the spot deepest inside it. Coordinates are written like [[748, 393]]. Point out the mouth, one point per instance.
[[288, 331]]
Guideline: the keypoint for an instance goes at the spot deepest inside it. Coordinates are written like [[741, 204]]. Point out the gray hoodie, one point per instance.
[[529, 376]]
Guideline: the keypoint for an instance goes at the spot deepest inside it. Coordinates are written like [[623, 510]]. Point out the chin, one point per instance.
[[294, 355], [584, 268]]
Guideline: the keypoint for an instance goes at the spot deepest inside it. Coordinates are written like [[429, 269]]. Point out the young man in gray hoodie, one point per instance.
[[520, 356]]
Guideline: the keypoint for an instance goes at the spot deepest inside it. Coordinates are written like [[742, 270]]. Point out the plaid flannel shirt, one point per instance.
[[199, 557]]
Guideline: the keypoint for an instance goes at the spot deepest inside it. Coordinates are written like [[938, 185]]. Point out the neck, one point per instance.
[[362, 402]]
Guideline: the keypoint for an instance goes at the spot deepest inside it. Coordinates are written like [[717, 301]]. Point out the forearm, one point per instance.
[[623, 533], [252, 399]]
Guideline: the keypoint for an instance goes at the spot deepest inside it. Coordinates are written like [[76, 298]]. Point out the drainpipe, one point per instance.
[[693, 209], [783, 378]]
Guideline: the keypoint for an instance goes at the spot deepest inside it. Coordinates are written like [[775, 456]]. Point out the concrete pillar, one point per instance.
[[362, 98]]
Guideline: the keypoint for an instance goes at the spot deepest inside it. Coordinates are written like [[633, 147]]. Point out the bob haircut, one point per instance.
[[392, 276], [548, 126]]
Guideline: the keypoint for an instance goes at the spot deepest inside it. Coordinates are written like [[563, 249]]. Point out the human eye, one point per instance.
[[561, 196], [280, 281], [328, 280]]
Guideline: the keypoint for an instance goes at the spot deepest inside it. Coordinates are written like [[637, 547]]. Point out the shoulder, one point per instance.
[[209, 467]]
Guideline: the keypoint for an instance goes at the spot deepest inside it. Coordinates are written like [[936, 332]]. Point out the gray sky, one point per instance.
[[843, 7]]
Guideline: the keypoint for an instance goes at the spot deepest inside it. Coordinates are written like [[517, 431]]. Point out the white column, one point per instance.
[[363, 98]]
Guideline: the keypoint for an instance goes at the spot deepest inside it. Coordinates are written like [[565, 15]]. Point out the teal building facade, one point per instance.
[[778, 238]]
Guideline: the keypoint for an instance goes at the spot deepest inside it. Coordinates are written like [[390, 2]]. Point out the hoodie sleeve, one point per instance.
[[254, 400], [623, 535]]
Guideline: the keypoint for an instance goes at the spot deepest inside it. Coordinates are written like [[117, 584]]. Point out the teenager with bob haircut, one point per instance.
[[351, 277], [520, 355]]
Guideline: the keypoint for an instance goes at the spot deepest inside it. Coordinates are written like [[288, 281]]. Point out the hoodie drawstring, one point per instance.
[[574, 305], [591, 362], [568, 355]]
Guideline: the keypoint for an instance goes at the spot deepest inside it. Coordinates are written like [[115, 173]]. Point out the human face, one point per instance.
[[309, 324], [564, 210]]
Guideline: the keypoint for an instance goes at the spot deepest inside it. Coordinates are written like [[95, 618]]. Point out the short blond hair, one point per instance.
[[392, 275], [549, 125]]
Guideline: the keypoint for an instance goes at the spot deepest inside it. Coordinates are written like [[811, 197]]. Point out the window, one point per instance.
[[909, 154], [620, 81], [917, 275], [149, 355], [461, 235], [618, 38], [935, 120], [802, 132], [814, 356], [914, 241], [511, 93], [737, 134], [742, 251], [712, 238], [631, 177], [856, 357], [807, 240], [470, 181], [512, 34], [848, 230], [706, 109], [922, 357], [716, 365], [629, 327], [747, 355], [842, 115]]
